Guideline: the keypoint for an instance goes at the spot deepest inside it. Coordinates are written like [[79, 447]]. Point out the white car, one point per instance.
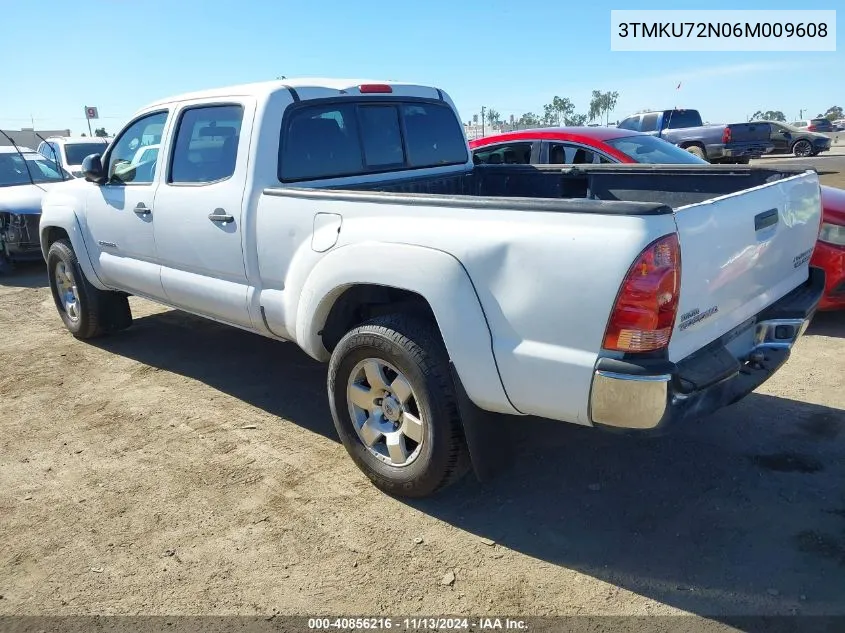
[[347, 216], [25, 176], [69, 151]]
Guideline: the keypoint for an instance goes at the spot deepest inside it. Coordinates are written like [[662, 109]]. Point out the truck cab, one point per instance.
[[732, 143]]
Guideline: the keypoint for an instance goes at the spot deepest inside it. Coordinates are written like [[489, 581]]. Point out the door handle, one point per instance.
[[219, 215], [142, 209], [765, 219]]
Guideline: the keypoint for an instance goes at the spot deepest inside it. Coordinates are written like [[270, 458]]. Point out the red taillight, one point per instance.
[[644, 313], [375, 89], [726, 136], [811, 128]]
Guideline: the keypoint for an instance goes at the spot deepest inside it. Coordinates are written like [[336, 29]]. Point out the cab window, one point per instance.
[[143, 131]]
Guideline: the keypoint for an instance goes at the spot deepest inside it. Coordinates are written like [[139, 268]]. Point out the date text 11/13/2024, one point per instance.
[[417, 623]]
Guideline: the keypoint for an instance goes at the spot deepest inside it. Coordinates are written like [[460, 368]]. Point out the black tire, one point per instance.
[[99, 311], [743, 161], [414, 347], [802, 148], [695, 150]]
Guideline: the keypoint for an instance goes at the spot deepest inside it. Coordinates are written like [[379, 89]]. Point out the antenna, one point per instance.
[[55, 156], [23, 158]]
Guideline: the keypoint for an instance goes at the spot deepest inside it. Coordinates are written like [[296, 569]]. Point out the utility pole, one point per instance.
[[482, 121]]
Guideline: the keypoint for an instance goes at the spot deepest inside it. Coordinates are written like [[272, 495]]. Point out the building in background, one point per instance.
[[26, 137]]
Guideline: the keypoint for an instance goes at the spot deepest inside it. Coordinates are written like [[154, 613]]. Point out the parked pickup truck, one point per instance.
[[732, 143], [347, 217]]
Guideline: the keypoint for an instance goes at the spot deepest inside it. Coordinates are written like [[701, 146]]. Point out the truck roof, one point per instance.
[[78, 139], [264, 89]]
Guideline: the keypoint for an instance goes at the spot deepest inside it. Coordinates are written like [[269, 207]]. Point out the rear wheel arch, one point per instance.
[[695, 148], [360, 303], [352, 283]]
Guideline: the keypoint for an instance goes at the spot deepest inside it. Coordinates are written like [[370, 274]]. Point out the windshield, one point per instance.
[[13, 171], [76, 152], [650, 149]]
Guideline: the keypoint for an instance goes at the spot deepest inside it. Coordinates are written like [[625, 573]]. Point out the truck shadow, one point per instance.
[[274, 376], [25, 275], [743, 512]]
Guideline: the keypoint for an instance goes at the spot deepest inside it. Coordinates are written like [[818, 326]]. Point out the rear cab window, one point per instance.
[[339, 137], [675, 119]]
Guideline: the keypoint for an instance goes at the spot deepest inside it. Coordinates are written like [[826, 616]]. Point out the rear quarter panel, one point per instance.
[[546, 283]]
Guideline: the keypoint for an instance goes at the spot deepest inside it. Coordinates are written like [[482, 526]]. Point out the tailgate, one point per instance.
[[749, 132], [739, 254]]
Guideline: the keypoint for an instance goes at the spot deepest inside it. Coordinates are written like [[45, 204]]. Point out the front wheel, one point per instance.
[[394, 406], [86, 311]]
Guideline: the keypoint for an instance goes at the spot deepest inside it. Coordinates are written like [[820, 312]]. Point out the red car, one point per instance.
[[589, 145]]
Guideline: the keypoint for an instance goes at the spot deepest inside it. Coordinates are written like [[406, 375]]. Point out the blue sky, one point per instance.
[[120, 55]]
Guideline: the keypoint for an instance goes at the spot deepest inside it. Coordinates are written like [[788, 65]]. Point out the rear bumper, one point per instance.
[[652, 394], [831, 259], [739, 150]]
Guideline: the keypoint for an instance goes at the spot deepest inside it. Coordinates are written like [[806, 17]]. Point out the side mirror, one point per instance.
[[92, 169]]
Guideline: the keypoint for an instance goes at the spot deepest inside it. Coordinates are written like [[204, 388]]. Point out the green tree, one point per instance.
[[602, 104], [528, 119], [768, 115], [564, 109], [100, 131], [549, 114], [493, 117], [558, 111], [578, 120], [833, 113]]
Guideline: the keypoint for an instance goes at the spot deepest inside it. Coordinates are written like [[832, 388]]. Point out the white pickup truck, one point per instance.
[[348, 217]]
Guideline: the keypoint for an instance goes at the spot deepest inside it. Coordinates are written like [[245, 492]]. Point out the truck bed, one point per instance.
[[624, 189]]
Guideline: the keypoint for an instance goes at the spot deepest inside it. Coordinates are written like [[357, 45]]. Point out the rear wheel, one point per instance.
[[695, 150], [393, 404], [86, 311], [802, 148]]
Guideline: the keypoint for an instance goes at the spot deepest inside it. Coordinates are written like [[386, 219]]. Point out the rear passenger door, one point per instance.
[[571, 153], [199, 210]]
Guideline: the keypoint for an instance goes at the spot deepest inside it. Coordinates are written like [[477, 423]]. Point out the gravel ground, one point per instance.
[[186, 468]]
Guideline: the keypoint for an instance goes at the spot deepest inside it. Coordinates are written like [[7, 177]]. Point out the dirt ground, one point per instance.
[[187, 468]]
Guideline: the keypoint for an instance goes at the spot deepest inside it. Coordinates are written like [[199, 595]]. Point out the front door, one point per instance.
[[199, 206], [120, 214]]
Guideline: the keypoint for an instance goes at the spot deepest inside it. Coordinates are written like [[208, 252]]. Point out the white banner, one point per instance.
[[724, 30]]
